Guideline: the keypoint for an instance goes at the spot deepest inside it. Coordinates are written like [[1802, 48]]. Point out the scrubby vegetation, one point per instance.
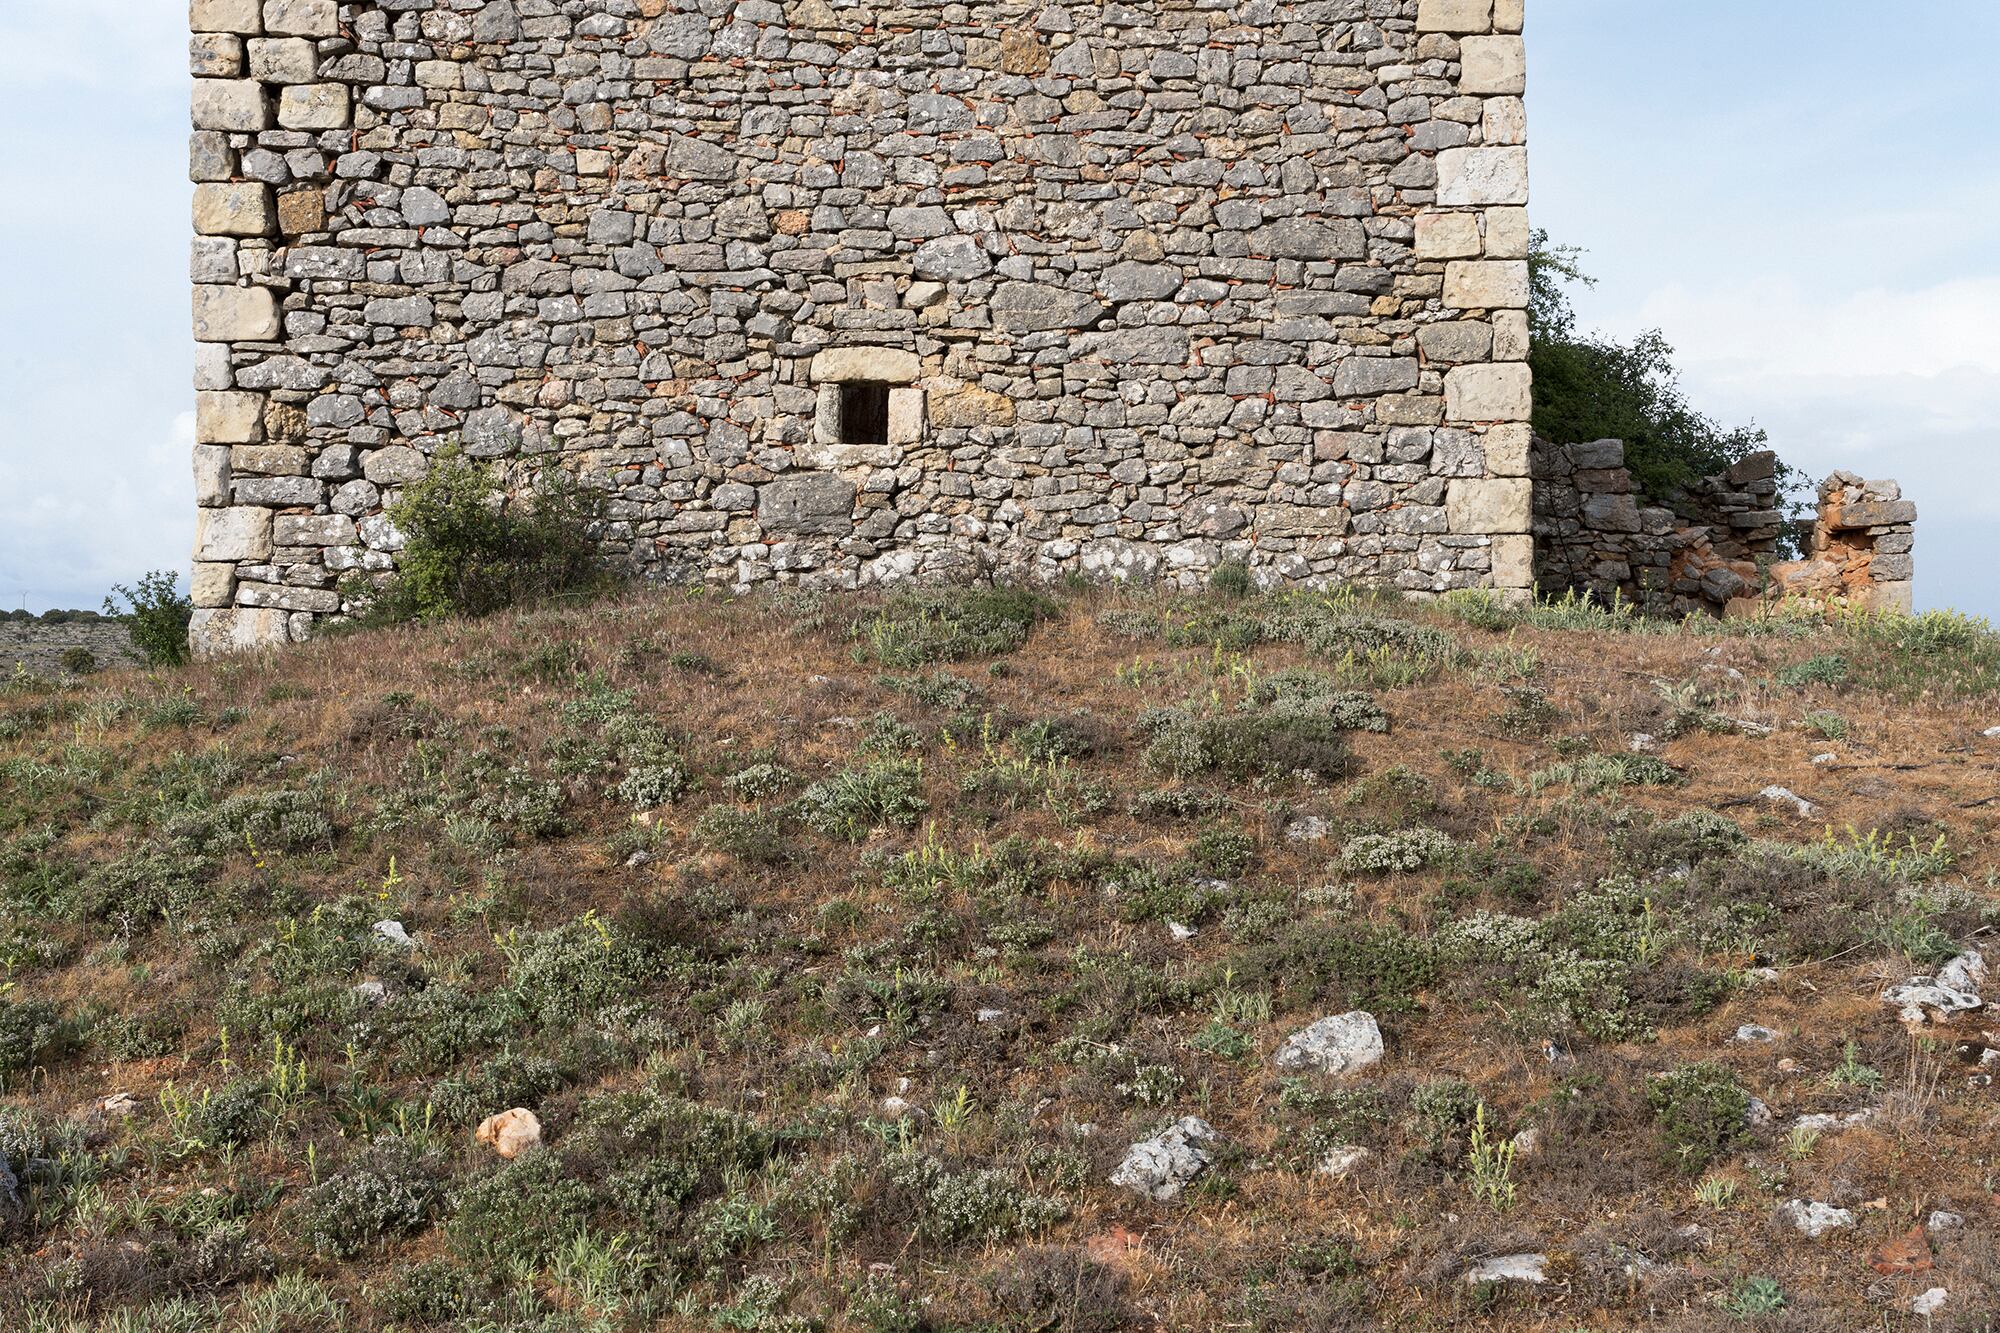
[[841, 946]]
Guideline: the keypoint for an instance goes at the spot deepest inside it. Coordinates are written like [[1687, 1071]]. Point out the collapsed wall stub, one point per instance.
[[853, 295], [1714, 549], [1862, 549]]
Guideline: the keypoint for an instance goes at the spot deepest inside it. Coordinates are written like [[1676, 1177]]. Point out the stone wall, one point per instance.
[[1862, 549], [38, 645], [1715, 550], [1593, 533], [857, 293]]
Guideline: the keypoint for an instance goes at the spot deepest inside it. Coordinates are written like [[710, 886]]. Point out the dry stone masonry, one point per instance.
[[854, 293], [1714, 550], [1862, 548], [1593, 533]]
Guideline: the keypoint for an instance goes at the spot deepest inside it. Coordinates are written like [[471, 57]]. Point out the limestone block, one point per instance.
[[906, 416], [234, 314], [314, 106], [1504, 121], [1493, 66], [228, 418], [212, 369], [215, 55], [233, 208], [394, 466], [1448, 236], [1509, 15], [209, 156], [1476, 177], [1488, 393], [236, 105], [1898, 598], [1455, 16], [1507, 449], [1474, 285], [1507, 233], [302, 18], [971, 406], [211, 475], [283, 59], [807, 504], [1510, 335], [1514, 561], [1491, 505], [238, 16], [882, 365], [220, 632], [1456, 342], [242, 532], [213, 584]]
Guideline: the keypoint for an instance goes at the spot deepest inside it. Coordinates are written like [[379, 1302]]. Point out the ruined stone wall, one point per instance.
[[1862, 551], [1594, 534], [1714, 551], [1138, 288]]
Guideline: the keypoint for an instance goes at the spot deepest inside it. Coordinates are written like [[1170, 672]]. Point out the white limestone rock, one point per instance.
[[1161, 1167], [1341, 1044]]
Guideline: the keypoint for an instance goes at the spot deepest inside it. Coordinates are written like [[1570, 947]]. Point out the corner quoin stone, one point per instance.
[[239, 106], [1493, 66], [234, 314], [1456, 17], [235, 208], [1489, 393], [243, 17], [1490, 506]]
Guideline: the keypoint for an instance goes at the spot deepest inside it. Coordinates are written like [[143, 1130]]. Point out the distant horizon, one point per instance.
[[1825, 266]]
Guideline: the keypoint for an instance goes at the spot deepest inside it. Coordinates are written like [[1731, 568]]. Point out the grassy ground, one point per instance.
[[843, 947]]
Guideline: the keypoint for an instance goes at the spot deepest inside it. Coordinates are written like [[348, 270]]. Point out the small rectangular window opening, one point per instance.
[[864, 413]]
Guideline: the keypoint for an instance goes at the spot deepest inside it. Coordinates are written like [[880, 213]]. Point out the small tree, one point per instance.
[[157, 614], [1592, 387], [470, 549]]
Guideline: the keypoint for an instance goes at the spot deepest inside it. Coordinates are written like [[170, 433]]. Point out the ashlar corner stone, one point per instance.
[[302, 18], [239, 106], [1480, 177], [234, 314], [1502, 393], [1493, 66], [234, 208], [1457, 17], [1489, 505], [243, 17]]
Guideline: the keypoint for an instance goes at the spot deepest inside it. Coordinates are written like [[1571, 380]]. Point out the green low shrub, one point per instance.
[[471, 549], [915, 629], [1701, 1114], [157, 614], [856, 801], [390, 1189]]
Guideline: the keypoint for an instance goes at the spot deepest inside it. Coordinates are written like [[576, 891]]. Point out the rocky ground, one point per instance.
[[975, 961]]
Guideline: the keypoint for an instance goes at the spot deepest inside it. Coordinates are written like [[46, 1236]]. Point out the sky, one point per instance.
[[1810, 212]]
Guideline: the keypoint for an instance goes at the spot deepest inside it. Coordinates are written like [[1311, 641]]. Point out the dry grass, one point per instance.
[[467, 777]]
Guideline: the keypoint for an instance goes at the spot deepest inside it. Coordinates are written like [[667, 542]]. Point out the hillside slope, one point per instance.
[[839, 951]]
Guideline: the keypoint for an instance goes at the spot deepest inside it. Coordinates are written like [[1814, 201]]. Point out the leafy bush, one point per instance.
[[1591, 387], [472, 550], [390, 1189], [157, 615], [1405, 849], [1701, 1113], [852, 803], [1288, 729], [949, 624], [1826, 669], [522, 1212], [32, 1032], [954, 1206], [78, 661]]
